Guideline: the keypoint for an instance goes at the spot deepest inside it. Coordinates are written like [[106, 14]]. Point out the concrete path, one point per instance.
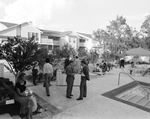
[[95, 106]]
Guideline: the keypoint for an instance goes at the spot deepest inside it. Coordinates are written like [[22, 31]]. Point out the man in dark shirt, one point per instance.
[[66, 62], [69, 79], [84, 77]]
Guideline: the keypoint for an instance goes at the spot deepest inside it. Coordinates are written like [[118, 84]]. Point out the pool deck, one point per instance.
[[95, 106]]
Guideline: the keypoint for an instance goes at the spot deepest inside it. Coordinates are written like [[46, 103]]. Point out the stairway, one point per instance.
[[136, 95], [7, 116]]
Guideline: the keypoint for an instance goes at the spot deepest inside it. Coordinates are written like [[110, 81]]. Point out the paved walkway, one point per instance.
[[95, 106]]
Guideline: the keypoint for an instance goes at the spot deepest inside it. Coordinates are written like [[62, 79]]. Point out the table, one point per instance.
[[61, 79]]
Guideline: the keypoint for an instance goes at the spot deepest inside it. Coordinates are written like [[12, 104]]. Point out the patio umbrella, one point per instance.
[[138, 52]]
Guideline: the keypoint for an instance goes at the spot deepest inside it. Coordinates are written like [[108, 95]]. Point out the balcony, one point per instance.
[[47, 41], [56, 42], [82, 44]]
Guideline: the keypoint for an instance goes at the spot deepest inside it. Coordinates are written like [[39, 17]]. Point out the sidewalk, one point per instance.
[[95, 106]]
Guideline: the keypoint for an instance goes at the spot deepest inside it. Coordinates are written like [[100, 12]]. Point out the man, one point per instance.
[[34, 74], [66, 62], [48, 73], [84, 77], [69, 79]]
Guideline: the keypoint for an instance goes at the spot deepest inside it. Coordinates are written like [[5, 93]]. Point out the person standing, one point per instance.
[[84, 77], [69, 79], [66, 63], [104, 67], [122, 62], [34, 74], [48, 73]]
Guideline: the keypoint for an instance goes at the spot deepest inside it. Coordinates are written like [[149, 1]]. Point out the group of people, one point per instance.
[[71, 67], [103, 67]]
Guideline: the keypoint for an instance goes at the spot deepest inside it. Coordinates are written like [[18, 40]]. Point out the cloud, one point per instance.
[[2, 4], [139, 17], [40, 12]]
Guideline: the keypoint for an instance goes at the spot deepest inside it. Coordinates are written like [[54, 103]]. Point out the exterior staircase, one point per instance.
[[136, 95], [7, 116]]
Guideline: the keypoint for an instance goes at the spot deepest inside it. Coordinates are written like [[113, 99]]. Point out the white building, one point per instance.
[[46, 38]]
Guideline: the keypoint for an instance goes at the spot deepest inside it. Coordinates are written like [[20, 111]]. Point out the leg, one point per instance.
[[72, 81], [82, 87], [68, 87], [33, 76], [46, 84], [85, 90], [49, 79], [29, 113]]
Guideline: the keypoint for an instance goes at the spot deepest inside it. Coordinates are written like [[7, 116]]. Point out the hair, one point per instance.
[[47, 60], [77, 57], [83, 61], [20, 77]]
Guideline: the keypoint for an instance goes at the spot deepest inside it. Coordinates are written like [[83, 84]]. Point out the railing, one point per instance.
[[134, 81]]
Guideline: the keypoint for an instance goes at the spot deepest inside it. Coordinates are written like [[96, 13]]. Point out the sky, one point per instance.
[[83, 16]]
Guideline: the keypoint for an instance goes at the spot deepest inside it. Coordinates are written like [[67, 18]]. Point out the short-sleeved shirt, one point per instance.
[[48, 68], [22, 88]]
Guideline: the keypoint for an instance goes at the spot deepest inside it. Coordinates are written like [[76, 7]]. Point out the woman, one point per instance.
[[25, 101]]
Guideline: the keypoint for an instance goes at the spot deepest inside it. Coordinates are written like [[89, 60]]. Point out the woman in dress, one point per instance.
[[25, 101]]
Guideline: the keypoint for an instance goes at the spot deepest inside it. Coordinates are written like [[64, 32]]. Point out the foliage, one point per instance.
[[82, 52], [64, 52], [120, 37], [93, 56], [21, 55], [145, 28]]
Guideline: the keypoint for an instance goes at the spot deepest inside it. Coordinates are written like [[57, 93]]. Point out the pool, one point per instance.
[[132, 94]]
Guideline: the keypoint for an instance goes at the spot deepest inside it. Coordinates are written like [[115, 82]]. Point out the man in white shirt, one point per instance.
[[48, 73]]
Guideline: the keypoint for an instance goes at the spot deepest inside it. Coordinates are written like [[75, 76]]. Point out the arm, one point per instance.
[[69, 71], [19, 93], [86, 72]]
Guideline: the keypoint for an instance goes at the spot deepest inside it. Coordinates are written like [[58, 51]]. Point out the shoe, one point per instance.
[[80, 99], [71, 95], [34, 84], [68, 97], [48, 95], [84, 96]]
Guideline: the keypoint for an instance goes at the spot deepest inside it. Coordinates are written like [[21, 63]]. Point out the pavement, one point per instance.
[[94, 106]]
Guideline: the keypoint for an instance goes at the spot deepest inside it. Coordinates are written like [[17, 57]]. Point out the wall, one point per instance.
[[9, 32], [25, 28], [2, 27]]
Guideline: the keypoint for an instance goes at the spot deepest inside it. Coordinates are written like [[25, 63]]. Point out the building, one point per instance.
[[46, 38]]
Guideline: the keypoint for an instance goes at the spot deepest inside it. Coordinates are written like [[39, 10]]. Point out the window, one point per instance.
[[32, 34], [56, 46], [49, 47], [43, 46], [81, 47], [56, 38], [50, 37], [82, 40]]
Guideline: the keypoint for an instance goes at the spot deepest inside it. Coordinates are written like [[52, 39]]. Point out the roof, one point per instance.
[[5, 37], [8, 24], [55, 33], [51, 33], [87, 35], [15, 26]]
